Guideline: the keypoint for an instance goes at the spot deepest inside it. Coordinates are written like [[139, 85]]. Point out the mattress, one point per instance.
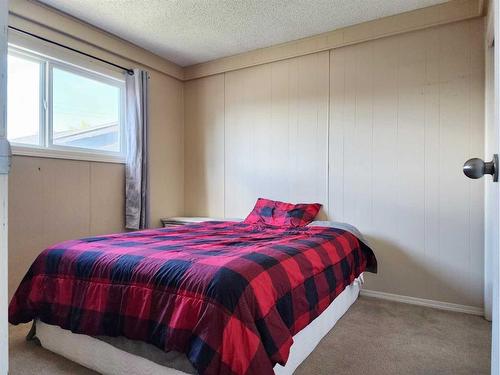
[[120, 355], [229, 295]]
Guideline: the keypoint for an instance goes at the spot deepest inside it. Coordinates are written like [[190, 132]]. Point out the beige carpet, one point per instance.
[[374, 337]]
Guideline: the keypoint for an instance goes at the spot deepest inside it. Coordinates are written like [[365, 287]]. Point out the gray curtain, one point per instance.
[[136, 134]]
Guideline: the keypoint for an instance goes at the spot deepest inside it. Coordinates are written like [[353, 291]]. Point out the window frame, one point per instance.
[[45, 146]]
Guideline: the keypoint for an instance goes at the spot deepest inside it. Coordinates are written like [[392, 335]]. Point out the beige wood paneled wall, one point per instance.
[[52, 200], [406, 112], [166, 147], [377, 132], [276, 133], [204, 158]]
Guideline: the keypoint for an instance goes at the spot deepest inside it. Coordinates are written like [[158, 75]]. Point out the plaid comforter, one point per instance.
[[229, 295]]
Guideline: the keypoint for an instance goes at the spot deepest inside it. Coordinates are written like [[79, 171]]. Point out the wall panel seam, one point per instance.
[[90, 197], [328, 133], [224, 145]]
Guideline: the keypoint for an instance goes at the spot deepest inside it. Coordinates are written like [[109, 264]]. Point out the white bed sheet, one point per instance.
[[107, 359]]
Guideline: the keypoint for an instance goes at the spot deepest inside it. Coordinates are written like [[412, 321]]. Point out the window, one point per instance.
[[24, 112], [58, 109]]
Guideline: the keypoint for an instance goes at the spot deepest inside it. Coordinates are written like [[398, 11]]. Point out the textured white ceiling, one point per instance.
[[193, 31]]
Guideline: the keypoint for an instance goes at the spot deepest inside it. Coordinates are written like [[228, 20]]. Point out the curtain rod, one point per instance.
[[129, 71]]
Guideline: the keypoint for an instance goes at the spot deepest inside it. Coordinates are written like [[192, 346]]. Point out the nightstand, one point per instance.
[[182, 220]]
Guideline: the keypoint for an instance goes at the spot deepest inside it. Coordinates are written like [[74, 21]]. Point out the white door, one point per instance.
[[492, 189], [492, 192], [495, 353], [4, 170], [495, 256]]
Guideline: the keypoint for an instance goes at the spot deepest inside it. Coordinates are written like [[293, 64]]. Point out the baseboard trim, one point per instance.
[[473, 310]]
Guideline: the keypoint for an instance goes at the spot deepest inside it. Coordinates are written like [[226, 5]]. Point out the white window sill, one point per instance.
[[65, 154]]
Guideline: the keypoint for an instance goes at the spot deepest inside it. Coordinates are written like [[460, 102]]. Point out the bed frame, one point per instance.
[[110, 360]]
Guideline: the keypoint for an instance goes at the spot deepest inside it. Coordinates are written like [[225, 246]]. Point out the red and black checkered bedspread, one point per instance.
[[229, 295]]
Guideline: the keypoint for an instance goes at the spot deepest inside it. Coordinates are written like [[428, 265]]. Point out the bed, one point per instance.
[[209, 298]]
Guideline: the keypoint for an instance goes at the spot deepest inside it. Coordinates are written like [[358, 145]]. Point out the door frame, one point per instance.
[[4, 170]]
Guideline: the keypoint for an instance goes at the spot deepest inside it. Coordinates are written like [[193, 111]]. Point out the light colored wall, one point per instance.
[[377, 132], [276, 133], [166, 152], [204, 157], [406, 112], [53, 200]]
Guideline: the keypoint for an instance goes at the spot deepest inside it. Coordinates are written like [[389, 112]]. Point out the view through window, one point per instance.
[[53, 105]]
